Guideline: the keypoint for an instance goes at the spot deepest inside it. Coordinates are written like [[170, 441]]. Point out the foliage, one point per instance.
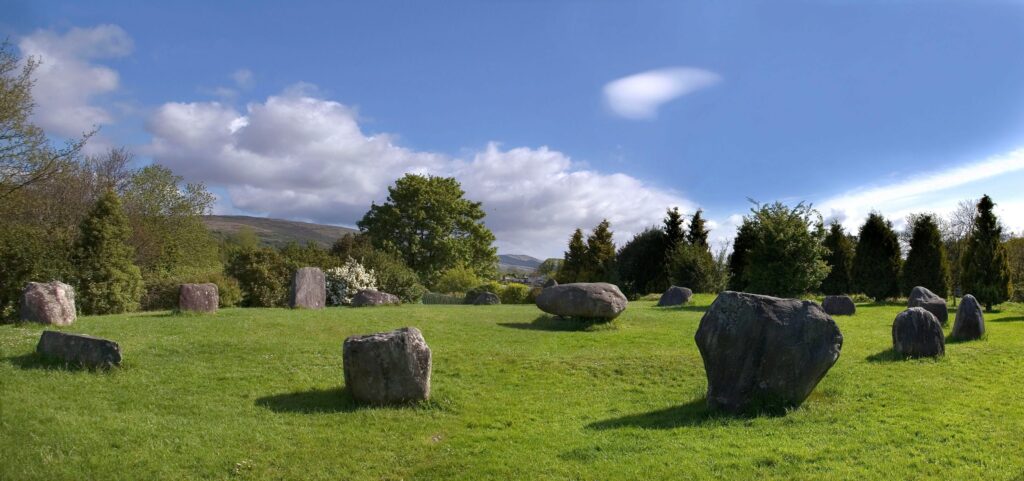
[[984, 272], [641, 263], [515, 293], [839, 258], [107, 281], [263, 275], [876, 259], [926, 262], [574, 264], [741, 246], [393, 276], [344, 282], [785, 258], [599, 262], [719, 279], [1015, 262], [27, 254], [432, 226], [438, 298], [308, 255], [456, 279], [672, 226], [697, 233], [161, 290], [692, 266], [550, 267]]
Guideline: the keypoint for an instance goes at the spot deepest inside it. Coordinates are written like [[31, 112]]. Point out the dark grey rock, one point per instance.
[[370, 297], [48, 303], [596, 300], [79, 349], [839, 306], [486, 299], [931, 302], [550, 282], [763, 353], [308, 289], [970, 322], [198, 297], [388, 367], [917, 333], [675, 296]]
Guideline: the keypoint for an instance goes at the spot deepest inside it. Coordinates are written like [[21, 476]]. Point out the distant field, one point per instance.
[[276, 232], [257, 394]]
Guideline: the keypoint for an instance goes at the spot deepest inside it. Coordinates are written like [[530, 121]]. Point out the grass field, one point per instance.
[[257, 394]]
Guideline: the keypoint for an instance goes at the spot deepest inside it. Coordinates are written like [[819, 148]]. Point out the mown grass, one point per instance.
[[258, 394]]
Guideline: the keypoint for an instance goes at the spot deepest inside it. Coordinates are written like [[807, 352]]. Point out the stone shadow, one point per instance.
[[554, 323], [1007, 319], [888, 355], [693, 413], [35, 361], [683, 308], [335, 400]]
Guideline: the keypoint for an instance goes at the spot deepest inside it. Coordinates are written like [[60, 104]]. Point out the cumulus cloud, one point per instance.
[[640, 95], [68, 80], [299, 156]]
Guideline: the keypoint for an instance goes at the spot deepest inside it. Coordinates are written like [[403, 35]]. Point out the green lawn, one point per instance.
[[257, 394]]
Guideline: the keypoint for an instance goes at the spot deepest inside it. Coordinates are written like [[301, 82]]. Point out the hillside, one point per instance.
[[517, 262], [276, 232]]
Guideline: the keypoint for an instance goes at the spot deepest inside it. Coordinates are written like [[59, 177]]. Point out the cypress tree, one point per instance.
[[600, 258], [876, 259], [673, 229], [697, 234], [741, 246], [926, 262], [572, 269], [985, 271], [642, 262], [839, 260], [108, 281]]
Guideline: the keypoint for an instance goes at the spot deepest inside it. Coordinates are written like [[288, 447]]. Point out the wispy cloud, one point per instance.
[[640, 95]]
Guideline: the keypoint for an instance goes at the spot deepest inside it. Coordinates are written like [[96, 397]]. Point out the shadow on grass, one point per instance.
[[35, 361], [336, 400], [683, 308], [1007, 319], [693, 413], [553, 323], [888, 355]]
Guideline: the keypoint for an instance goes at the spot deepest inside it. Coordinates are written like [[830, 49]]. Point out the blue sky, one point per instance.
[[554, 114]]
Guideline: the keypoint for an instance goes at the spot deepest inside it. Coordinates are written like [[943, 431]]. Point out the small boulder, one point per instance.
[[387, 367], [931, 302], [839, 306], [763, 353], [675, 296], [79, 349], [551, 282], [48, 303], [198, 297], [486, 299], [917, 333], [370, 297], [970, 322], [308, 289], [583, 300]]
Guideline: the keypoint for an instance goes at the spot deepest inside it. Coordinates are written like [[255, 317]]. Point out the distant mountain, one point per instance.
[[276, 232], [517, 262]]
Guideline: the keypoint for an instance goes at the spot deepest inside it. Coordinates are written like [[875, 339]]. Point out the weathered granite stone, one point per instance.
[[970, 322], [308, 289], [370, 297], [388, 367], [79, 349], [48, 303], [839, 306], [486, 299], [596, 301], [675, 296], [198, 297], [931, 302], [763, 353], [917, 333]]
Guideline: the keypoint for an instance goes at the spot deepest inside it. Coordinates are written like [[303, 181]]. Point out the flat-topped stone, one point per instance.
[[48, 303], [370, 297], [387, 367], [583, 300], [79, 349], [198, 297]]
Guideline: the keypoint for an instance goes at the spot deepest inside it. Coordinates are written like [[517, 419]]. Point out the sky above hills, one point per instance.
[[553, 114]]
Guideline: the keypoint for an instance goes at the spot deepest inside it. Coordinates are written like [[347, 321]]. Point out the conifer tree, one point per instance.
[[600, 258], [738, 259], [573, 266], [876, 259], [674, 233], [926, 262], [839, 260], [698, 234], [108, 281], [985, 271]]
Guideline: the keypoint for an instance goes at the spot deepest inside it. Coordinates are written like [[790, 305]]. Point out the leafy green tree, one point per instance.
[[839, 260], [673, 229], [786, 257], [432, 226], [574, 265], [308, 255], [107, 279], [692, 266], [876, 259], [985, 269], [926, 262], [641, 263], [599, 261], [348, 243], [741, 246], [262, 274], [697, 234], [550, 267], [456, 279], [1015, 259]]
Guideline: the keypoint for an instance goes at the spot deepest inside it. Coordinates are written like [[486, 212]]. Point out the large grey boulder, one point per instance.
[[198, 297], [839, 306], [486, 299], [48, 303], [595, 301], [308, 289], [675, 296], [917, 333], [79, 349], [370, 297], [763, 353], [931, 302], [387, 367], [970, 322]]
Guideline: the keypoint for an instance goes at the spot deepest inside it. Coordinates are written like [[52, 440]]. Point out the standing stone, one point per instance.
[[763, 353], [969, 323], [308, 289], [370, 297], [486, 299], [583, 300], [931, 302], [387, 367], [675, 296], [79, 349], [917, 333], [48, 303], [198, 297], [839, 306]]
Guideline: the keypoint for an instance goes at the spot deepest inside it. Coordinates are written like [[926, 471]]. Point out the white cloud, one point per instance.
[[67, 80], [640, 95]]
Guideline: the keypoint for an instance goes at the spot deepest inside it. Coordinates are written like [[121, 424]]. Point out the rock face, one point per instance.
[[387, 367], [969, 323], [675, 296], [763, 353], [369, 297], [597, 300], [917, 333], [839, 306], [198, 297], [309, 289], [79, 349], [48, 303], [486, 299], [922, 297]]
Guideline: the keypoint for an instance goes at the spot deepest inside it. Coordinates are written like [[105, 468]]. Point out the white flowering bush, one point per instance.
[[344, 282]]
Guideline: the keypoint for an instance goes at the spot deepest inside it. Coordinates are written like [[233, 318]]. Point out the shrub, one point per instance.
[[876, 259], [162, 290], [692, 266], [456, 279], [514, 293], [926, 263], [786, 256], [344, 282], [262, 275], [494, 287], [108, 280], [393, 276], [531, 297], [437, 298]]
